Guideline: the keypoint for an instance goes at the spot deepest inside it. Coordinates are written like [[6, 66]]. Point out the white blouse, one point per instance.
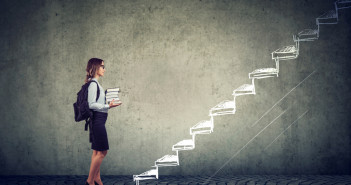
[[99, 105]]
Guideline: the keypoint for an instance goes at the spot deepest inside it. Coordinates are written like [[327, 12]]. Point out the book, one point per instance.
[[112, 93], [112, 89]]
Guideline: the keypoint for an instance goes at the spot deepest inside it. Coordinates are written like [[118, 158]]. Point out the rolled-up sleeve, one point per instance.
[[92, 90]]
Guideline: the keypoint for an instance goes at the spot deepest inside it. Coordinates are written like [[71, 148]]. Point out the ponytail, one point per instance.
[[87, 78]]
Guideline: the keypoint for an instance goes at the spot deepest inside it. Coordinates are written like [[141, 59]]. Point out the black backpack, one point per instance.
[[81, 107]]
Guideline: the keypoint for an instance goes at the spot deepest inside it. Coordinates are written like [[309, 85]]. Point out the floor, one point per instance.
[[173, 180]]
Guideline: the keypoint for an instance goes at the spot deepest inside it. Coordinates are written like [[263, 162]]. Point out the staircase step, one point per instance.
[[167, 160], [187, 144], [203, 127], [264, 73], [285, 53], [329, 17], [151, 174], [244, 90], [223, 108], [341, 4], [307, 35]]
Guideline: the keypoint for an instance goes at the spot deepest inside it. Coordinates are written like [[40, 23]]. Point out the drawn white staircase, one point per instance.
[[228, 106]]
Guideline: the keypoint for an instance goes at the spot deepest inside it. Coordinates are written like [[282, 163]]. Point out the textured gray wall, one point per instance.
[[173, 61]]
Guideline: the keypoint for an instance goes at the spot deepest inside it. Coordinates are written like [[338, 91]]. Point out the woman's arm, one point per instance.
[[92, 90]]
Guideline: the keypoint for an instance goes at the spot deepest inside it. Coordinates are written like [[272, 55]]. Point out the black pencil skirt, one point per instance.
[[99, 134]]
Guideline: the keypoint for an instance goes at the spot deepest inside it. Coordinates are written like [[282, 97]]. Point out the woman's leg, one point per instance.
[[97, 176], [96, 161], [91, 164]]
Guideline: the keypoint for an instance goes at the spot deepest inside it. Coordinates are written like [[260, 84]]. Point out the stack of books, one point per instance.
[[112, 94]]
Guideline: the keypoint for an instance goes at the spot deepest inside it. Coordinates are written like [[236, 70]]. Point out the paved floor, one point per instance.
[[191, 180]]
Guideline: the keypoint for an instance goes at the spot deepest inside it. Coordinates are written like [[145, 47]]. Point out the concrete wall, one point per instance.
[[173, 61]]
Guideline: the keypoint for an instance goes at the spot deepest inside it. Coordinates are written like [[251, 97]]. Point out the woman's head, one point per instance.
[[95, 68]]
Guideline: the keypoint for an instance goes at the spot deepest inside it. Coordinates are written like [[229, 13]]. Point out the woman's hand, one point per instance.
[[112, 104]]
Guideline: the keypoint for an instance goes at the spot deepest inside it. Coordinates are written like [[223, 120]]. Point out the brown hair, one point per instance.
[[92, 67]]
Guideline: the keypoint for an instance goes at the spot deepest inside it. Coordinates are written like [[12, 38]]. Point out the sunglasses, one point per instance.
[[103, 66]]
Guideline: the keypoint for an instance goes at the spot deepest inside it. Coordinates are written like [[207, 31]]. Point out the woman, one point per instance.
[[95, 69]]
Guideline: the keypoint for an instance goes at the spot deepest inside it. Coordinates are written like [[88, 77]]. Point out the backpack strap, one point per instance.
[[98, 89], [88, 123]]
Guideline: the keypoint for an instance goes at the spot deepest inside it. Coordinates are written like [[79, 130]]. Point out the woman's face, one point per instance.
[[101, 70]]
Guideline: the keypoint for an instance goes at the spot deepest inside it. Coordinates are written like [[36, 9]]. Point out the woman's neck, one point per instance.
[[97, 77]]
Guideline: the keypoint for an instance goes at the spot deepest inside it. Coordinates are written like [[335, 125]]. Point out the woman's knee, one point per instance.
[[94, 152], [101, 154]]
